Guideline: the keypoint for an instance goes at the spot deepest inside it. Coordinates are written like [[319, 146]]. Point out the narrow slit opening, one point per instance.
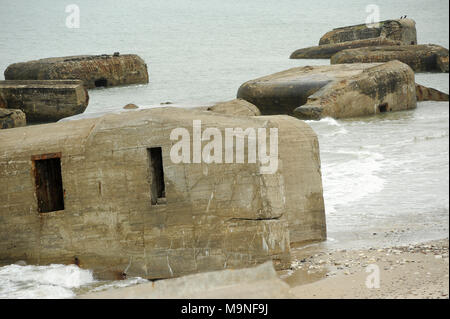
[[157, 185]]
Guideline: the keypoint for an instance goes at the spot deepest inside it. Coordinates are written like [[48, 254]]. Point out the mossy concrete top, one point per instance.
[[94, 70], [403, 30], [326, 51], [421, 58]]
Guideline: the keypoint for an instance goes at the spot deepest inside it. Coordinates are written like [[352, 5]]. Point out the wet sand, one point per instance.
[[414, 271]]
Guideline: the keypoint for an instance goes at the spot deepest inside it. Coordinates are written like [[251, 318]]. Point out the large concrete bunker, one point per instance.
[[45, 101], [94, 70], [388, 32], [338, 91], [104, 193], [403, 30], [421, 58]]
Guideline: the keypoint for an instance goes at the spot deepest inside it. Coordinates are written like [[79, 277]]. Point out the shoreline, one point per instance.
[[413, 271]]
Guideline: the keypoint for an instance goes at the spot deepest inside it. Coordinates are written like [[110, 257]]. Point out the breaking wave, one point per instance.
[[36, 282], [351, 180], [334, 127]]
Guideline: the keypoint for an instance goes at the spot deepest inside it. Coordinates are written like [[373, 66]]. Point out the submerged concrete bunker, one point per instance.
[[326, 51], [343, 90], [94, 70], [421, 58], [424, 93], [384, 33], [45, 101], [104, 193], [403, 30]]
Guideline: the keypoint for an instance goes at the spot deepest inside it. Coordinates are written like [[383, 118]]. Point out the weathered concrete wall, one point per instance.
[[325, 51], [382, 88], [403, 30], [45, 101], [424, 93], [302, 178], [216, 216], [94, 70], [11, 118], [420, 58]]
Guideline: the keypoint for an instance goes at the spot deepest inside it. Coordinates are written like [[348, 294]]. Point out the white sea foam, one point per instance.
[[333, 127], [352, 180], [53, 281], [330, 121], [325, 120], [340, 131], [351, 177]]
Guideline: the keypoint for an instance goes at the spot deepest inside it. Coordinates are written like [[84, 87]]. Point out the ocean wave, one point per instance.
[[415, 139], [352, 180], [341, 131], [331, 124], [325, 120], [52, 281]]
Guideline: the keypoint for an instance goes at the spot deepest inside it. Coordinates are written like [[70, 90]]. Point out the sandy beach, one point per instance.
[[415, 271]]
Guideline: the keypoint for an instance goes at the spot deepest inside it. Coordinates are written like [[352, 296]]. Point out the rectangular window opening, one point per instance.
[[158, 188], [48, 183]]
